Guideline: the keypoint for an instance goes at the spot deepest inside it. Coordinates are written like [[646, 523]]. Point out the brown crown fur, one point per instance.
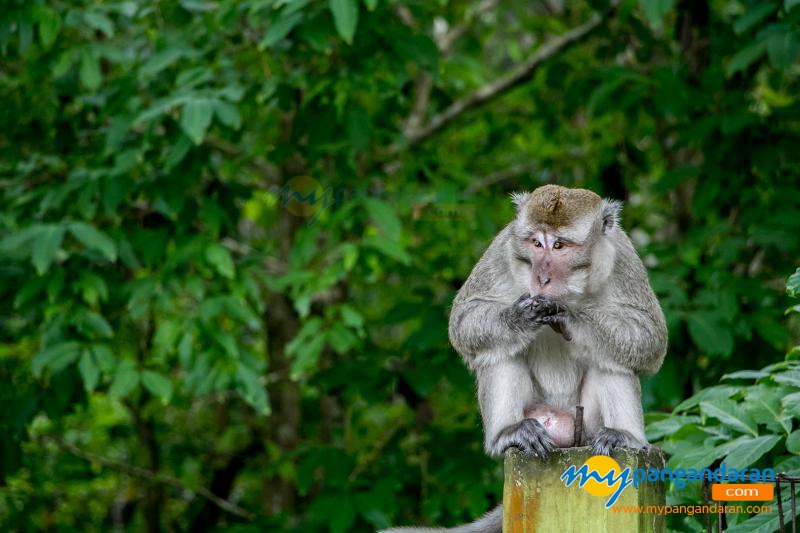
[[559, 206]]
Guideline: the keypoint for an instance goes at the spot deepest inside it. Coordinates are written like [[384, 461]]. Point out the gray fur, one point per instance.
[[491, 522]]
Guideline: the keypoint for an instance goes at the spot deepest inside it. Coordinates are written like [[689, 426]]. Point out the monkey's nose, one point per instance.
[[543, 279]]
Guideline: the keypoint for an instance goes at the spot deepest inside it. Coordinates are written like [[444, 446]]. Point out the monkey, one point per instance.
[[557, 312]]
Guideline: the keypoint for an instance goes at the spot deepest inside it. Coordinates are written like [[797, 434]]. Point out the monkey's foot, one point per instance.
[[529, 435], [608, 439]]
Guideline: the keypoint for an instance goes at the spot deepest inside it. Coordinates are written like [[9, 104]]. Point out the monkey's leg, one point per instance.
[[612, 411], [505, 389]]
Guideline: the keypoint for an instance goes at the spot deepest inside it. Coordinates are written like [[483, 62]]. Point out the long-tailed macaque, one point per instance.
[[558, 312]]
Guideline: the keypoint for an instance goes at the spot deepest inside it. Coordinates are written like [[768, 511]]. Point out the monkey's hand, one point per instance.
[[530, 312], [608, 439], [529, 435], [553, 314]]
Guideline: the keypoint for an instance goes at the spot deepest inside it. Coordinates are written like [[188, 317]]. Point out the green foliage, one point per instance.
[[750, 423], [162, 312]]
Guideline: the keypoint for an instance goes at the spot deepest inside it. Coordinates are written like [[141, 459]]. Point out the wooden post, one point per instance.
[[535, 498]]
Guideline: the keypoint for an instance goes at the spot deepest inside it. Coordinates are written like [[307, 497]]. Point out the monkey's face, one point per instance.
[[559, 266]]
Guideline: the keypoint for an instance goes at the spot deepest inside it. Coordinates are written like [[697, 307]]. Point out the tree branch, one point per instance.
[[445, 42], [151, 476], [484, 94]]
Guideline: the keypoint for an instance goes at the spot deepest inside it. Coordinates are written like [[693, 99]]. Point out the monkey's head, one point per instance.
[[564, 240]]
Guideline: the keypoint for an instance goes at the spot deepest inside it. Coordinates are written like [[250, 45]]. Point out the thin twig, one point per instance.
[[373, 454], [149, 475], [578, 434], [446, 42], [485, 93]]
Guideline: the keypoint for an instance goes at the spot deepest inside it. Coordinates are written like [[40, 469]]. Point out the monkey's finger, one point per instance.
[[536, 436], [543, 446]]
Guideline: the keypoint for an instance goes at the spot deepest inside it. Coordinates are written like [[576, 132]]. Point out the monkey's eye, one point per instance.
[[558, 245], [536, 243]]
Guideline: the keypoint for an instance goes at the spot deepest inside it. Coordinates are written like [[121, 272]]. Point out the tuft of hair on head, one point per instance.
[[611, 211], [519, 199], [558, 206]]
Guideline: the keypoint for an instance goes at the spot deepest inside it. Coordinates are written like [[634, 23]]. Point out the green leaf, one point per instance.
[[385, 218], [709, 394], [95, 323], [696, 457], [94, 239], [55, 357], [709, 334], [753, 16], [16, 242], [89, 72], [196, 117], [345, 18], [763, 522], [763, 403], [279, 29], [789, 4], [343, 516], [90, 372], [99, 21], [791, 403], [372, 4], [220, 258], [49, 26], [730, 414], [104, 357], [668, 426], [125, 379], [793, 284], [745, 57], [655, 10], [251, 389], [783, 48], [46, 246], [793, 442], [159, 385], [750, 450], [160, 61], [228, 114], [389, 248], [746, 374], [351, 317]]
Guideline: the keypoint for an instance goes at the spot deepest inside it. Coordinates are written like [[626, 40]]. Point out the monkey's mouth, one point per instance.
[[551, 293]]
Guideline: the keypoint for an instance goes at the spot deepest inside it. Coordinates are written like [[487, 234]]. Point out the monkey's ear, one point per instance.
[[519, 199], [611, 210]]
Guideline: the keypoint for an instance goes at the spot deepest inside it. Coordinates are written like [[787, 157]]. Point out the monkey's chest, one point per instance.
[[556, 372]]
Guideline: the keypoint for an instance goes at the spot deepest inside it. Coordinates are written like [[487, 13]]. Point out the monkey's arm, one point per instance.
[[633, 336], [493, 318], [486, 331]]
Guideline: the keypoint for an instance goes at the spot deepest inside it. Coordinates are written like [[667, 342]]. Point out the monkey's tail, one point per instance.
[[491, 522]]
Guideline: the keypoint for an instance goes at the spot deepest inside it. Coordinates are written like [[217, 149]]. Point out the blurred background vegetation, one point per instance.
[[178, 352]]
